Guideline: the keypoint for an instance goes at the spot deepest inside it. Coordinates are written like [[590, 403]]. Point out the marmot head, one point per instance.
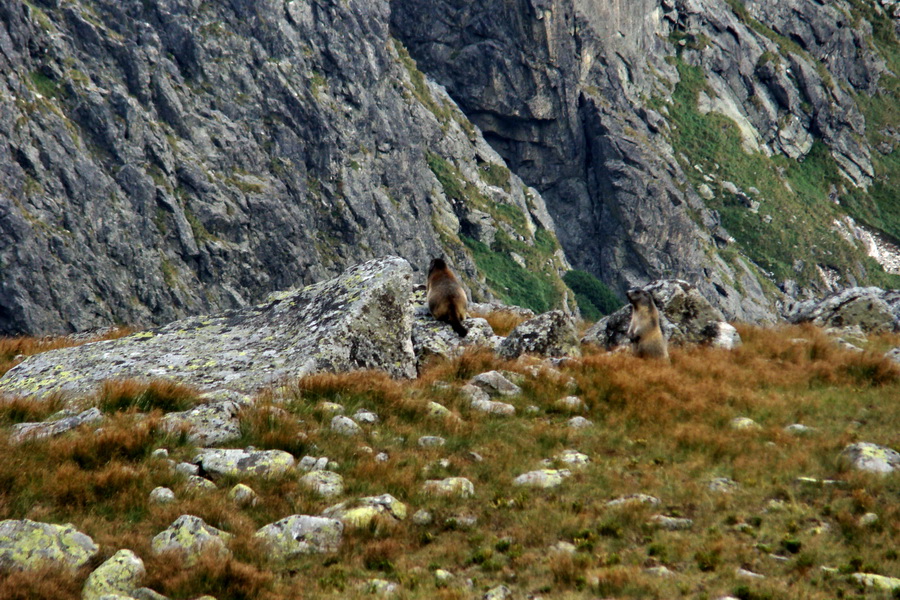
[[437, 264], [640, 298]]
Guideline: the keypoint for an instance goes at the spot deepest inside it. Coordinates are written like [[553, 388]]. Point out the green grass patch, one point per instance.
[[595, 298], [45, 86]]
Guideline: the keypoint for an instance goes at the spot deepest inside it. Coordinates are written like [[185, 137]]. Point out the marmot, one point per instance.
[[446, 298], [644, 332]]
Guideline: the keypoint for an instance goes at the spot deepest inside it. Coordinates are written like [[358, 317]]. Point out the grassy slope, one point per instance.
[[658, 429]]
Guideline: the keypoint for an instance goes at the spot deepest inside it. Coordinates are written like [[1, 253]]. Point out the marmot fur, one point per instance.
[[446, 298], [647, 340]]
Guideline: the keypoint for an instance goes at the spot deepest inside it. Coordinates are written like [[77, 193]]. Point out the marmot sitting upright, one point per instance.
[[446, 298], [644, 332]]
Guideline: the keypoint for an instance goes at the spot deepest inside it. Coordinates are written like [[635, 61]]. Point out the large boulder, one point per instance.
[[686, 317], [191, 536], [550, 334], [359, 320], [244, 463], [207, 424], [121, 574], [302, 534], [870, 308], [30, 545]]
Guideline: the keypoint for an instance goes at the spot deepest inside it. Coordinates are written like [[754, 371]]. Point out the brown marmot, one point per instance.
[[446, 298], [647, 340]]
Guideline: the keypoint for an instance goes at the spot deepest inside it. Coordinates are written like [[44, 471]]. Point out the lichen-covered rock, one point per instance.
[[570, 404], [634, 499], [550, 334], [382, 587], [431, 337], [359, 320], [437, 411], [579, 423], [495, 384], [671, 523], [686, 317], [345, 425], [431, 441], [190, 536], [360, 513], [119, 575], [543, 479], [450, 486], [26, 545], [35, 431], [207, 424], [162, 495], [243, 495], [302, 534], [872, 309], [866, 456], [324, 483], [571, 458], [493, 407], [879, 582], [245, 463], [500, 592], [198, 484], [743, 424], [311, 463]]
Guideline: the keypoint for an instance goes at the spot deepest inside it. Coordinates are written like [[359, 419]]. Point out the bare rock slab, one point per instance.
[[26, 545], [302, 534], [361, 319], [244, 463], [121, 574]]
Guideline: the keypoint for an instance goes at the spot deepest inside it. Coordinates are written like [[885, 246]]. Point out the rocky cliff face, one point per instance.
[[168, 158], [660, 128]]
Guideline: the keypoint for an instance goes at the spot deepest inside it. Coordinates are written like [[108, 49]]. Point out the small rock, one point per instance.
[[147, 594], [495, 384], [474, 457], [366, 417], [431, 441], [866, 456], [382, 457], [325, 483], [745, 573], [799, 429], [723, 335], [422, 517], [190, 536], [744, 423], [360, 513], [659, 571], [442, 577], [634, 499], [382, 587], [345, 426], [195, 483], [461, 522], [543, 479], [160, 453], [302, 534], [571, 404], [564, 547], [723, 485], [494, 408], [437, 411], [671, 523], [550, 334], [571, 458], [331, 408], [311, 463], [879, 582], [532, 409], [36, 431], [868, 519], [162, 495], [118, 575], [579, 423], [501, 592], [186, 468], [451, 486], [207, 424], [243, 495]]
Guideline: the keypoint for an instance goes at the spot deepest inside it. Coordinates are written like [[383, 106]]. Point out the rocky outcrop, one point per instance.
[[686, 317], [121, 574], [27, 544], [302, 534], [159, 160], [359, 320], [189, 537], [871, 309]]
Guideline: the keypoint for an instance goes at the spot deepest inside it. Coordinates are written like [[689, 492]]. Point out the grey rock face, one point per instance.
[[190, 536], [359, 320], [324, 483], [242, 463], [549, 334], [207, 424], [35, 431], [866, 456], [26, 545], [872, 309], [686, 316], [495, 384]]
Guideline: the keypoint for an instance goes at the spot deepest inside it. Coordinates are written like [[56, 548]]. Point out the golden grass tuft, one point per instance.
[[502, 321], [45, 582], [28, 410], [144, 396], [209, 575], [13, 349]]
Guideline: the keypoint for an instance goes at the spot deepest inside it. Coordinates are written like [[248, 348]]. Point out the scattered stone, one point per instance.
[[874, 310], [474, 457], [243, 495], [345, 426], [820, 482], [493, 407], [366, 417], [437, 411], [147, 594], [579, 423], [244, 463], [879, 582], [331, 408], [532, 409], [660, 571], [118, 575], [431, 441], [571, 404], [382, 457], [422, 517], [311, 463], [28, 545], [550, 334], [431, 337], [461, 522], [543, 479], [571, 458], [723, 335], [866, 456], [207, 424], [634, 499], [190, 536], [451, 486], [360, 513], [799, 429], [745, 573], [162, 495], [564, 547], [442, 578], [325, 483], [36, 431], [195, 483], [868, 519], [302, 534], [495, 384], [501, 592], [744, 423], [187, 469], [159, 453], [381, 587], [723, 485], [671, 523]]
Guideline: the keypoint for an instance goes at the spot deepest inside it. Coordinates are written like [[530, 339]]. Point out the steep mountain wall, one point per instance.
[[162, 158], [711, 140]]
